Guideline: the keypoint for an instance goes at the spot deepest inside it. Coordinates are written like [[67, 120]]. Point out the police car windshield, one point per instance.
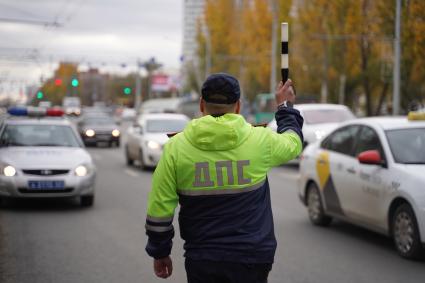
[[407, 145], [38, 135], [320, 116], [165, 126]]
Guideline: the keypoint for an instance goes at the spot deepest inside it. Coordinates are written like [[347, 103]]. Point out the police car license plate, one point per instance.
[[46, 185]]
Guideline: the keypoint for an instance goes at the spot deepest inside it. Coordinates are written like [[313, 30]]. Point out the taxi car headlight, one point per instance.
[[90, 133], [153, 145], [81, 171], [115, 133], [9, 171]]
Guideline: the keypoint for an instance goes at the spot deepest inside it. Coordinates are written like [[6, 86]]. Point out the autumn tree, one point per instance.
[[59, 86], [235, 37]]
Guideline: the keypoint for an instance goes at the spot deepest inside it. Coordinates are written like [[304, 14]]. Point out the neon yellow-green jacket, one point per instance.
[[217, 170]]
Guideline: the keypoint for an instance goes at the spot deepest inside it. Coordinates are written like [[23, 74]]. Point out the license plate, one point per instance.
[[46, 185], [103, 138]]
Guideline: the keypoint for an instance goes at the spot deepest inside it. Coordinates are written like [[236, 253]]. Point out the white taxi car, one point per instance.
[[370, 172], [44, 157], [147, 136], [319, 119]]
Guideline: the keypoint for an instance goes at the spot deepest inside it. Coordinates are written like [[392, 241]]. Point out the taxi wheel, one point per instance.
[[141, 161], [87, 201], [315, 208], [406, 233], [127, 157]]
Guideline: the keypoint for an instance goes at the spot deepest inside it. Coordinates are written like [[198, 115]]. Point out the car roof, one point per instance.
[[318, 106], [389, 122], [158, 116], [161, 103], [37, 121]]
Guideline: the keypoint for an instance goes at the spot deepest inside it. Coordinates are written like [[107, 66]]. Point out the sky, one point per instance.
[[108, 34]]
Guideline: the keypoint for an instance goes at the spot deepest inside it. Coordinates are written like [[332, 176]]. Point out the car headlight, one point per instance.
[[115, 133], [9, 171], [153, 145], [81, 171], [90, 133]]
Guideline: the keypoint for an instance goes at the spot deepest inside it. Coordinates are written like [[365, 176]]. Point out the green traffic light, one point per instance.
[[127, 90], [40, 95], [74, 82]]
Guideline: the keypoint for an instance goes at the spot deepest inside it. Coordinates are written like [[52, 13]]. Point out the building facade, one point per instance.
[[193, 12]]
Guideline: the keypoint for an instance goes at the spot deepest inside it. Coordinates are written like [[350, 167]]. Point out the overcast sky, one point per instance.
[[96, 32]]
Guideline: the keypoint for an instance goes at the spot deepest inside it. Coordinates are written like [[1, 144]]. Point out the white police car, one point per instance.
[[370, 172], [44, 157]]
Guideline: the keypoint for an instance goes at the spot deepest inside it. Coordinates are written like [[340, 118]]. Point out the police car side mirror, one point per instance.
[[371, 157]]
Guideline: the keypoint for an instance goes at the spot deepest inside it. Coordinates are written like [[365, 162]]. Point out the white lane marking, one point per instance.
[[132, 173]]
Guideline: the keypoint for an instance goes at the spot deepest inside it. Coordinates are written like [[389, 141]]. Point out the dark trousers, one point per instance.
[[204, 271]]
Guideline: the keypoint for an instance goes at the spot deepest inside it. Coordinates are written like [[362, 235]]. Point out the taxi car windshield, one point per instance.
[[320, 116], [165, 126], [38, 135], [407, 145]]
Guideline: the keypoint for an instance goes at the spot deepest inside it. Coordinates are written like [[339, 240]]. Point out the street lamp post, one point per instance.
[[138, 90], [397, 51]]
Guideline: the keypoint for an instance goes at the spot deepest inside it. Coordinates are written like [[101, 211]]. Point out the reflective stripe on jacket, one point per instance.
[[217, 170]]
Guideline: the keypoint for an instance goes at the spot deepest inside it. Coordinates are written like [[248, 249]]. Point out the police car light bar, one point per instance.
[[35, 111]]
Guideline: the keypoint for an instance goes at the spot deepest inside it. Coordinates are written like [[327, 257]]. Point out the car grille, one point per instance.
[[103, 133], [28, 191], [45, 172]]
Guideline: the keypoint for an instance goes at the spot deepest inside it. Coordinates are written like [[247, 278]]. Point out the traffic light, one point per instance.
[[58, 82], [75, 82], [40, 94], [127, 90]]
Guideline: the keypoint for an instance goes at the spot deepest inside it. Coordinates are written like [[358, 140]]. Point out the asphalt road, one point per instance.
[[57, 241]]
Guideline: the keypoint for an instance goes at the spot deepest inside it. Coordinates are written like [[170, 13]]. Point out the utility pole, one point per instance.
[[274, 10], [138, 90], [397, 51], [207, 50], [324, 88]]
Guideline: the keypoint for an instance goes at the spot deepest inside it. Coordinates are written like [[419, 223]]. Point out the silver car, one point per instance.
[[44, 157], [147, 136]]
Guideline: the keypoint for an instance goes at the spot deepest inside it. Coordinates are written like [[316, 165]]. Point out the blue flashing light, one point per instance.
[[18, 111]]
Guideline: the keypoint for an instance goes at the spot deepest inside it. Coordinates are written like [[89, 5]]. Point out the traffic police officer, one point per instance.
[[216, 169]]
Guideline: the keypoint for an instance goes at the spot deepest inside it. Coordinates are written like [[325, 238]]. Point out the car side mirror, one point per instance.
[[371, 157], [137, 128]]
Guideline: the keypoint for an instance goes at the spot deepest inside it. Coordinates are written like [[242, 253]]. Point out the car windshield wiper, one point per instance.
[[47, 144], [12, 144], [412, 162]]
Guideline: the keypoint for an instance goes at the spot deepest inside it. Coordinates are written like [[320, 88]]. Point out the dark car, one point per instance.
[[99, 128]]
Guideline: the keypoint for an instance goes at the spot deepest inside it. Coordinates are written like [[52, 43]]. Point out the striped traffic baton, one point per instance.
[[285, 53]]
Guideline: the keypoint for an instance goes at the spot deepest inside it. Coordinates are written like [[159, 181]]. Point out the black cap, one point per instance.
[[221, 88]]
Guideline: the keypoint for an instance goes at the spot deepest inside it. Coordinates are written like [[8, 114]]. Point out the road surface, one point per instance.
[[57, 241]]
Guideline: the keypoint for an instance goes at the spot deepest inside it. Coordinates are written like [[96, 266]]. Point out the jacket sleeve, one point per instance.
[[287, 143], [162, 202]]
